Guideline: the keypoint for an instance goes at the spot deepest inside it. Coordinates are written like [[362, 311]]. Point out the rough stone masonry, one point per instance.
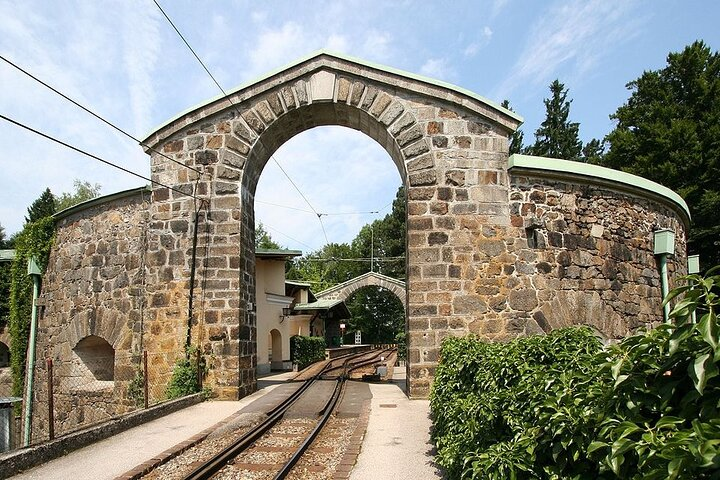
[[493, 249]]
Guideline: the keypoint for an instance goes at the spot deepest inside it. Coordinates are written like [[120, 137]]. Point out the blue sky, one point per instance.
[[123, 60]]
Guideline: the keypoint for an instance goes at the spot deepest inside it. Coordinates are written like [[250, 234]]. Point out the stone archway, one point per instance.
[[345, 290], [450, 148]]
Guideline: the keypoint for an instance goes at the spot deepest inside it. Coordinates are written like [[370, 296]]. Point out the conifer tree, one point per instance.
[[668, 131], [516, 139], [43, 207], [557, 137]]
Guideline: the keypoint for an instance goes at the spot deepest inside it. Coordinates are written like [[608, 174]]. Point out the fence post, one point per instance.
[[145, 378], [51, 405], [199, 371]]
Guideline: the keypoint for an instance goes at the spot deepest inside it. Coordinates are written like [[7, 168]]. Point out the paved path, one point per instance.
[[397, 442], [116, 455]]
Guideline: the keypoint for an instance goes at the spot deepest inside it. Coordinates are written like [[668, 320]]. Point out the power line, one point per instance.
[[288, 236], [371, 212], [95, 157], [107, 122], [227, 97], [284, 206], [362, 259], [193, 51], [319, 215]]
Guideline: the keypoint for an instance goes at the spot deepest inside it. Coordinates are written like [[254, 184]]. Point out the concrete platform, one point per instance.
[[116, 455], [397, 441]]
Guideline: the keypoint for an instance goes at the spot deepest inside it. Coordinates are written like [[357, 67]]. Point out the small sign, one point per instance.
[[358, 337]]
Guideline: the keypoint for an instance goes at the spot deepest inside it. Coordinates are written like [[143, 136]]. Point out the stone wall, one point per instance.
[[587, 252], [491, 251], [94, 285]]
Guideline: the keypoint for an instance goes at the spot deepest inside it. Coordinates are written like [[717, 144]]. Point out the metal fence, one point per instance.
[[89, 388]]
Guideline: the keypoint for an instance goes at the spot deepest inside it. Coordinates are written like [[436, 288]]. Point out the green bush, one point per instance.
[[184, 380], [500, 409], [562, 407], [34, 241], [305, 351], [401, 340]]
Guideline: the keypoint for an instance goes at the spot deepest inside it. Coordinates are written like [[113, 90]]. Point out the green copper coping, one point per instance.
[[322, 304], [339, 56], [598, 172], [7, 255], [99, 201], [276, 253]]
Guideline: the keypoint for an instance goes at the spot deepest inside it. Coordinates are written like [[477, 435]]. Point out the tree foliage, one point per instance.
[[669, 131], [557, 137], [43, 206], [82, 192], [34, 241], [263, 239], [562, 406], [516, 138]]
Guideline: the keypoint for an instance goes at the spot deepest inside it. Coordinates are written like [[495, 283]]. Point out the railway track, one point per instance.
[[273, 447]]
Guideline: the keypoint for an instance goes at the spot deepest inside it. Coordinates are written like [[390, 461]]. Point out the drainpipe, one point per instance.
[[693, 269], [188, 335], [664, 246], [36, 274]]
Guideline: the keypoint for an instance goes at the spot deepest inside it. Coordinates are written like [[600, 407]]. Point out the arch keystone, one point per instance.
[[322, 86]]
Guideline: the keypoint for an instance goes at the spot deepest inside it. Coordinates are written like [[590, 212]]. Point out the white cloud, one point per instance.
[[377, 46], [573, 35], [340, 171], [141, 48], [473, 48], [437, 68]]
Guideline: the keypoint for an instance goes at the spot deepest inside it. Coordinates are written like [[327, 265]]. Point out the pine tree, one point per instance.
[[516, 138], [668, 131], [43, 207], [557, 137], [593, 151]]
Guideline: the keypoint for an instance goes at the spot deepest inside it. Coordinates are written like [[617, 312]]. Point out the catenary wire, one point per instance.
[[107, 122], [95, 157], [227, 97]]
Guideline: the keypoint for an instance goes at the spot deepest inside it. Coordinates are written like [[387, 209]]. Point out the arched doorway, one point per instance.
[[275, 352], [450, 149]]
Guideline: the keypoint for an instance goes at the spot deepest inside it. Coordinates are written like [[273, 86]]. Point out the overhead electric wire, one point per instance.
[[193, 51], [284, 206], [288, 236], [95, 157], [107, 122], [227, 97]]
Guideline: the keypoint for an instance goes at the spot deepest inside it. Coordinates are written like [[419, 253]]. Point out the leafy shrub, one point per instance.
[[184, 380], [401, 340], [34, 241], [562, 407], [306, 350], [501, 410], [136, 389], [662, 420]]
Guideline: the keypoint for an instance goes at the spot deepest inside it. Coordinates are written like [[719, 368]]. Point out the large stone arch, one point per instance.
[[345, 290], [496, 246], [450, 148]]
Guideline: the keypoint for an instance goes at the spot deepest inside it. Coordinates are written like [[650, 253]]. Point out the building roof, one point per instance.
[[7, 255], [276, 254], [337, 306], [297, 283]]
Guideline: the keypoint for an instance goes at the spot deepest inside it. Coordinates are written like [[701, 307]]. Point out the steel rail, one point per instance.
[[328, 411], [215, 464]]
